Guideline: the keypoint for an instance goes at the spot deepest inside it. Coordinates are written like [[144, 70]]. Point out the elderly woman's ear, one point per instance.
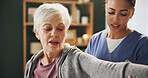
[[37, 34]]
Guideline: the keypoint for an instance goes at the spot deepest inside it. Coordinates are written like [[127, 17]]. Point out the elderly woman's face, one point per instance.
[[52, 34], [118, 13]]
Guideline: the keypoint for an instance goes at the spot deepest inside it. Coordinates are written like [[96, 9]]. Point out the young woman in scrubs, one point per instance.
[[119, 43]]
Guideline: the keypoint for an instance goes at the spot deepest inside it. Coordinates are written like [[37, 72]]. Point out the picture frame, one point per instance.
[[71, 36], [31, 11], [35, 47]]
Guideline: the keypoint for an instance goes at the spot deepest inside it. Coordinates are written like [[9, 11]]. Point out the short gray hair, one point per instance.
[[47, 11]]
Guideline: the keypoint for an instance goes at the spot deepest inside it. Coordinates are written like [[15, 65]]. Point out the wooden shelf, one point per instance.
[[62, 2], [80, 24], [31, 24], [79, 45]]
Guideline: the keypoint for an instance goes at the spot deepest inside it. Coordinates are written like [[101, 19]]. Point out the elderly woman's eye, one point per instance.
[[48, 29], [60, 29], [111, 12]]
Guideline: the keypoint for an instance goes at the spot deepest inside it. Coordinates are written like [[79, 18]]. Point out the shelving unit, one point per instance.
[[71, 5]]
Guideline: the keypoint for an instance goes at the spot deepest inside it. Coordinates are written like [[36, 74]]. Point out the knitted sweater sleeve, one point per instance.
[[97, 68]]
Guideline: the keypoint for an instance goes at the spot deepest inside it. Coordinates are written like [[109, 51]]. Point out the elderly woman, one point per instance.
[[58, 60]]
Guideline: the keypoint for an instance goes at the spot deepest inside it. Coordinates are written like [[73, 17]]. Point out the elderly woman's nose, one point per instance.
[[53, 32]]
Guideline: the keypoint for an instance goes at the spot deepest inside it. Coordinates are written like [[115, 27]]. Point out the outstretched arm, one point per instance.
[[97, 68]]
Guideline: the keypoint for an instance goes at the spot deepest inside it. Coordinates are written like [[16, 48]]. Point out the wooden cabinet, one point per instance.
[[86, 9]]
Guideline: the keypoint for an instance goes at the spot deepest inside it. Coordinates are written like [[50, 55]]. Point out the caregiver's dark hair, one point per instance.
[[132, 3]]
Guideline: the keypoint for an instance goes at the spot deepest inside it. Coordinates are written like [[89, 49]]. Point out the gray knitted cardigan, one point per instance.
[[76, 64]]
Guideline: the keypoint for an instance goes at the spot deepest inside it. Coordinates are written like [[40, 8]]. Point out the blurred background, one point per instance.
[[11, 31]]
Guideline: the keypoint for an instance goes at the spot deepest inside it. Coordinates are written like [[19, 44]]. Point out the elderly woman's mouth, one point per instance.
[[53, 42]]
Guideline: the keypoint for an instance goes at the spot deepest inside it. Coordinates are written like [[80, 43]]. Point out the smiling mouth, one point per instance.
[[115, 25]]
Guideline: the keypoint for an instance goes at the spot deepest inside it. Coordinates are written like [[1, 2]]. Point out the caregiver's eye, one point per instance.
[[123, 14]]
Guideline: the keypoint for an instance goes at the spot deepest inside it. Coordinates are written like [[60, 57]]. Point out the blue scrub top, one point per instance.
[[133, 48]]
